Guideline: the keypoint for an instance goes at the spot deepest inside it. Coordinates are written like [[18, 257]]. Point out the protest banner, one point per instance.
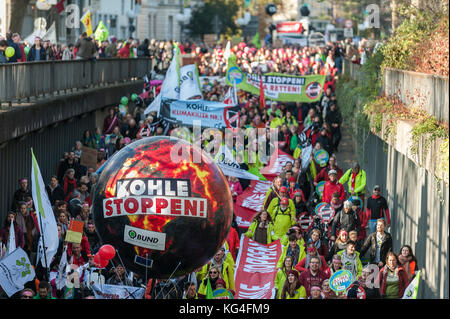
[[88, 157], [15, 271], [277, 161], [277, 86], [253, 196], [256, 269], [117, 292], [208, 113]]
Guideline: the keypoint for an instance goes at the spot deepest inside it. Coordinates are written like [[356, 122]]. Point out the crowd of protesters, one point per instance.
[[309, 256]]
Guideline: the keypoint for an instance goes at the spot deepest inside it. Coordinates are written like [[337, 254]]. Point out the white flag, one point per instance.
[[51, 34], [62, 274], [15, 271], [170, 88], [226, 54], [12, 239], [413, 287], [225, 159], [45, 216], [189, 83]]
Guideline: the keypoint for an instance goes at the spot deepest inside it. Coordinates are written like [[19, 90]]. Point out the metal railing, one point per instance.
[[21, 81]]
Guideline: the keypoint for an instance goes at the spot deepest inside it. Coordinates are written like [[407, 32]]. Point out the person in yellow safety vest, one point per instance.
[[281, 275], [292, 288], [298, 233], [225, 264], [294, 249], [356, 178], [283, 215], [276, 202], [275, 121], [261, 228], [273, 191]]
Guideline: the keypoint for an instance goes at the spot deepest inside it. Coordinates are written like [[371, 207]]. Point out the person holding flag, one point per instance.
[[11, 235]]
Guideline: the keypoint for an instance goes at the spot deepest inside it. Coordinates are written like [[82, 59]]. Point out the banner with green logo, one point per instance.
[[277, 86]]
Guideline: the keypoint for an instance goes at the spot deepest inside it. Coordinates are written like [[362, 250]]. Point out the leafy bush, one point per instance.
[[420, 43]]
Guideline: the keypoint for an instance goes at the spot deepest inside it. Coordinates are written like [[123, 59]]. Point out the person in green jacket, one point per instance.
[[281, 276], [356, 178], [261, 228], [351, 260], [292, 289], [283, 216], [44, 291]]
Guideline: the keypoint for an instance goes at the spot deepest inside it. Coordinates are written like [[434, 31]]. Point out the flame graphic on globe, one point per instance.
[[190, 242]]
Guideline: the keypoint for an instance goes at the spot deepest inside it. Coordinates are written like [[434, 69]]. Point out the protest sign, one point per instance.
[[207, 113], [74, 232], [277, 86]]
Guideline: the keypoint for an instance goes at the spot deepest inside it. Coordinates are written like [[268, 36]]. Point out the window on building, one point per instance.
[[123, 6], [170, 28]]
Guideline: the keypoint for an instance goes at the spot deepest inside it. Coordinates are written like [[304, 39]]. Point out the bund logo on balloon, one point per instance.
[[163, 217]]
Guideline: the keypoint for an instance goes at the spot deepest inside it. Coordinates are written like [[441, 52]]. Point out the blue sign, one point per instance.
[[341, 280]]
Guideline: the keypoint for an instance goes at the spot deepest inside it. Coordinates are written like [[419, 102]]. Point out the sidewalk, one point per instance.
[[347, 154]]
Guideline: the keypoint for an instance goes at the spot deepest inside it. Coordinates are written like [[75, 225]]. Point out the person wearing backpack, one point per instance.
[[283, 216], [345, 219]]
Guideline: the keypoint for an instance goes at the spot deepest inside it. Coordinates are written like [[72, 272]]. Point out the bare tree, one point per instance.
[[18, 10]]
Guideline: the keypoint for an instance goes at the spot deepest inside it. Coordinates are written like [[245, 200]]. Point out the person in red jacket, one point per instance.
[[313, 275], [233, 242], [323, 174], [124, 52], [333, 186], [393, 278]]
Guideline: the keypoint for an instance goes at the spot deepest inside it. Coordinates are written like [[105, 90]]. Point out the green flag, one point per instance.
[[255, 40], [209, 291], [101, 33]]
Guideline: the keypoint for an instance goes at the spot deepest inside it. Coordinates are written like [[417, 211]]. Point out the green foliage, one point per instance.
[[416, 27], [202, 19], [429, 129]]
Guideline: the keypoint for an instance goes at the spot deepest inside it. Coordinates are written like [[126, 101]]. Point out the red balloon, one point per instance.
[[100, 262], [107, 252]]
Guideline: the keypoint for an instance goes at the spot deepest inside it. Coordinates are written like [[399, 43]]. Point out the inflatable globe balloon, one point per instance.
[[9, 52], [163, 205]]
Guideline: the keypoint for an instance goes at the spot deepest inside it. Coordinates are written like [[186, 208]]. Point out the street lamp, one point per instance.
[[131, 16]]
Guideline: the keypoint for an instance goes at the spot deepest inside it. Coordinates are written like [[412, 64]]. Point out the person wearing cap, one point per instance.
[[345, 219], [376, 208], [282, 212], [300, 203], [323, 174], [292, 288], [332, 186], [356, 178], [261, 228]]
